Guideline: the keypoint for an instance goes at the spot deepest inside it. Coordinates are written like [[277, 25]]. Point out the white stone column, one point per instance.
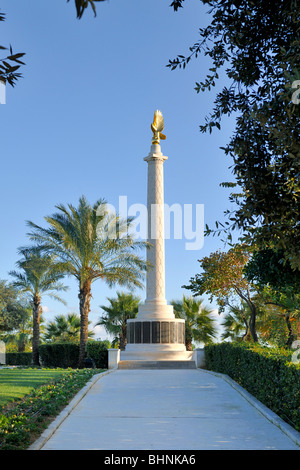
[[155, 305]]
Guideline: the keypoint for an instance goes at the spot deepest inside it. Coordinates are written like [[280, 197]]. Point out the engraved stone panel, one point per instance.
[[155, 332], [173, 336], [146, 332], [137, 332], [130, 332], [165, 332], [181, 333]]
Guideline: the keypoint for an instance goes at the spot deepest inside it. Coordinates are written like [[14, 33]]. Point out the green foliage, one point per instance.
[[97, 350], [18, 358], [269, 267], [266, 373], [62, 355], [13, 309]]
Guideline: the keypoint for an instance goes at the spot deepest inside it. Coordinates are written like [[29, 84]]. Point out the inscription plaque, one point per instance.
[[165, 332], [146, 332], [137, 332], [155, 332]]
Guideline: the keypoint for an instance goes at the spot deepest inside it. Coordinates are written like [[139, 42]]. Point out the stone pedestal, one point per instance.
[[155, 333]]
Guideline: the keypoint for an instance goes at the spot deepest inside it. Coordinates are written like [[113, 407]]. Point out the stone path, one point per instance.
[[167, 410]]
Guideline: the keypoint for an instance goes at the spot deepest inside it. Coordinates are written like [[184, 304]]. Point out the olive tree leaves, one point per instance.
[[257, 43], [10, 64], [82, 5]]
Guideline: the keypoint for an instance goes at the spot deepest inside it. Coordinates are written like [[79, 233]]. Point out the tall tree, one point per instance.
[[257, 44], [199, 324], [92, 244], [223, 279], [116, 314], [38, 275]]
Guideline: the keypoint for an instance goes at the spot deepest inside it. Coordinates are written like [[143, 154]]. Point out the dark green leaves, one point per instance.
[[82, 5]]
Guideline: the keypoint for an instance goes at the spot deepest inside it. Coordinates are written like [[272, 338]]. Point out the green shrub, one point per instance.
[[61, 355], [97, 350], [266, 373], [18, 359]]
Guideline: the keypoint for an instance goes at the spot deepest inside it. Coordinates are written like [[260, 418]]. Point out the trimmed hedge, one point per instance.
[[66, 355], [98, 352], [266, 373], [61, 355], [18, 359]]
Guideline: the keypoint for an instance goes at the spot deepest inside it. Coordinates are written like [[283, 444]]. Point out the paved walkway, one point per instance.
[[167, 410]]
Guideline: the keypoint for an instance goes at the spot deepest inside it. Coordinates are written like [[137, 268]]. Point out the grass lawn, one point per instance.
[[15, 383]]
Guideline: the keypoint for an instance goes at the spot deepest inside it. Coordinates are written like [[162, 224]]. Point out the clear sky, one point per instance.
[[78, 123]]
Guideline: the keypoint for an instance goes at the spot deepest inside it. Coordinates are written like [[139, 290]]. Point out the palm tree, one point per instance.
[[40, 275], [65, 328], [92, 244], [236, 323], [199, 325], [122, 308]]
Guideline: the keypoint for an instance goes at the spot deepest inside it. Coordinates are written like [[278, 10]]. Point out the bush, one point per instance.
[[61, 355], [18, 359], [266, 373], [97, 350]]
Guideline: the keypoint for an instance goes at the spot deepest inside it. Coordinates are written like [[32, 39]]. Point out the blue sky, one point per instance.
[[78, 122]]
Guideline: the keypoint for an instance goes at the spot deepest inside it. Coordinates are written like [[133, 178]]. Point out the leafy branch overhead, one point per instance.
[[256, 43], [10, 64]]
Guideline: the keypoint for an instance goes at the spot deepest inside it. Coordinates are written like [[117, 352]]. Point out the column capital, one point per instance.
[[155, 154]]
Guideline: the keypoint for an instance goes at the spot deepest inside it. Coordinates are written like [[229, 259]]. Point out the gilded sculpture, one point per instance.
[[157, 127]]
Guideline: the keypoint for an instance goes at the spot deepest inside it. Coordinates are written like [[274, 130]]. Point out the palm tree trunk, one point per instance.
[[188, 338], [123, 337], [36, 311], [84, 307]]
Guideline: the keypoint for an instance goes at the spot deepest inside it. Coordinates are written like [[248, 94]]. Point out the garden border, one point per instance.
[[46, 435]]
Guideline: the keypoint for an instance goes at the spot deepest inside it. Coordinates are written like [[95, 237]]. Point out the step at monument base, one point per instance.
[[140, 364]]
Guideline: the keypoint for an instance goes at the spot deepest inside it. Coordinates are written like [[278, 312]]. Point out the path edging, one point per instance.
[[45, 436], [263, 409]]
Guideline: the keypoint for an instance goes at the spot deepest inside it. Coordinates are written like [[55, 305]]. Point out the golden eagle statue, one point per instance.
[[157, 127]]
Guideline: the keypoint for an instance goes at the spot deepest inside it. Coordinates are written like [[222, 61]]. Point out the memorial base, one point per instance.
[[162, 339]]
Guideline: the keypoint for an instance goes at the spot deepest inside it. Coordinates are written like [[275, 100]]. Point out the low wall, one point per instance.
[[199, 358]]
